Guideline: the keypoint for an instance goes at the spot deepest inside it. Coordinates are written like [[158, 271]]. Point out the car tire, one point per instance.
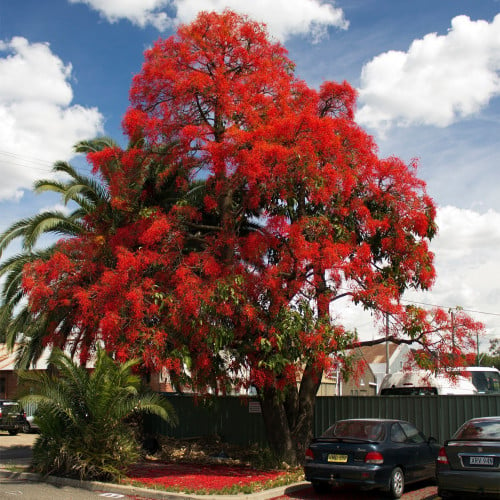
[[320, 487], [13, 432], [396, 483]]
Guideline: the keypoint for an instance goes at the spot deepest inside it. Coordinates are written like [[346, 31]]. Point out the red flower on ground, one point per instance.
[[197, 476]]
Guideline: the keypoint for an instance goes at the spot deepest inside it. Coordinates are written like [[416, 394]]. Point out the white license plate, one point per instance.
[[487, 461]]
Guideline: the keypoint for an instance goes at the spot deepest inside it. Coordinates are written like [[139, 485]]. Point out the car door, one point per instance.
[[423, 455], [402, 452]]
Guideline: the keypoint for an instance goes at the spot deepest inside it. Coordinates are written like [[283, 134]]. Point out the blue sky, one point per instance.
[[427, 73]]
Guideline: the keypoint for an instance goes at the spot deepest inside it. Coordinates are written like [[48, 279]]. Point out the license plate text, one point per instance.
[[481, 461]]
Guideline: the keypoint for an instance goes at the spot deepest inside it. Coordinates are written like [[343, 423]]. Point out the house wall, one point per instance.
[[8, 384], [396, 364], [364, 386], [328, 387]]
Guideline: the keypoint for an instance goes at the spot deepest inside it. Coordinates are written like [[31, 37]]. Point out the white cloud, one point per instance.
[[284, 18], [467, 234], [139, 12], [438, 81], [468, 272], [58, 207], [467, 264], [38, 123]]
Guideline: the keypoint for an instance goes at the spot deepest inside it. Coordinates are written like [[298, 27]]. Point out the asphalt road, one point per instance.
[[29, 490], [16, 453], [422, 491], [16, 450]]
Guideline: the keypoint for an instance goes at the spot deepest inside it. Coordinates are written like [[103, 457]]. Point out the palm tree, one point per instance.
[[84, 416], [88, 194]]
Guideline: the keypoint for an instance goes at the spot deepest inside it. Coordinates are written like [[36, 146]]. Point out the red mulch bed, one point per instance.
[[197, 477]]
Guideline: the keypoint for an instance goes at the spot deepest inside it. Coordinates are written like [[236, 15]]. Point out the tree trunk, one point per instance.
[[278, 431], [289, 418]]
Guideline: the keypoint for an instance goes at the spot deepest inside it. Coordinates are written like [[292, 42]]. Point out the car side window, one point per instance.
[[397, 434], [413, 435]]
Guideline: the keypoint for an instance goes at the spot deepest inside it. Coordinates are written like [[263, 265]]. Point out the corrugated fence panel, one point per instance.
[[437, 416], [237, 420], [234, 420]]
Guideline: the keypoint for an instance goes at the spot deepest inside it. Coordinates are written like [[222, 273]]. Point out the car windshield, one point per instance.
[[485, 382], [10, 405], [483, 429], [357, 429], [408, 391]]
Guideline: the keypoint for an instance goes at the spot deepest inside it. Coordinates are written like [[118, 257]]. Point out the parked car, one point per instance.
[[486, 379], [12, 417], [469, 462], [370, 453], [31, 425]]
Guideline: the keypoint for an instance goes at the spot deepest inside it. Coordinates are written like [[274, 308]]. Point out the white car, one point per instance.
[[32, 426]]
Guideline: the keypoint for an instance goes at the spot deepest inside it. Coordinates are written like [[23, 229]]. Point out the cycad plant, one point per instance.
[[84, 416]]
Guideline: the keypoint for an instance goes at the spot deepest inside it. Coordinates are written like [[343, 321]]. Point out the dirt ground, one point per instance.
[[206, 450]]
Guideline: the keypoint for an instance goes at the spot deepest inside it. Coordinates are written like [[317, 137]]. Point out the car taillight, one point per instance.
[[442, 458], [309, 454], [374, 457]]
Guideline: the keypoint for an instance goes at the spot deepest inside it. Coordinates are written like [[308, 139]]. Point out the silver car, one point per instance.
[[470, 461]]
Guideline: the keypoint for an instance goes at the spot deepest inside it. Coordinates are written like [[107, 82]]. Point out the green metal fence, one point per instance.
[[437, 416], [237, 420], [234, 420]]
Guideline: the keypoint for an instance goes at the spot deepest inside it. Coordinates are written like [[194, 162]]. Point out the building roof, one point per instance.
[[8, 359], [376, 353]]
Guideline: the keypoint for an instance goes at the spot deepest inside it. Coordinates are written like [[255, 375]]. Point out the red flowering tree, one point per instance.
[[247, 205]]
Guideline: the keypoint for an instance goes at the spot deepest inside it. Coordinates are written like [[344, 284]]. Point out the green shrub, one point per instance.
[[84, 416]]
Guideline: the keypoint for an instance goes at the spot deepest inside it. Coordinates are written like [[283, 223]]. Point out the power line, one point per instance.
[[447, 307], [26, 161], [441, 306], [31, 162]]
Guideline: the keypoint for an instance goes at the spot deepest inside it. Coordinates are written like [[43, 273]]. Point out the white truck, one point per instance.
[[425, 382], [485, 379]]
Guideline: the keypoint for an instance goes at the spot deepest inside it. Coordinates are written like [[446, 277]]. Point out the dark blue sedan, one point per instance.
[[469, 462], [370, 453]]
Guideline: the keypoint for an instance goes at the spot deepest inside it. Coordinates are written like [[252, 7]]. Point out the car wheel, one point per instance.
[[320, 487], [396, 483], [13, 432]]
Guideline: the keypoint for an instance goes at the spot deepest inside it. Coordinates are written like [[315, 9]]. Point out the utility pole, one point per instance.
[[453, 331], [478, 360], [386, 343]]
